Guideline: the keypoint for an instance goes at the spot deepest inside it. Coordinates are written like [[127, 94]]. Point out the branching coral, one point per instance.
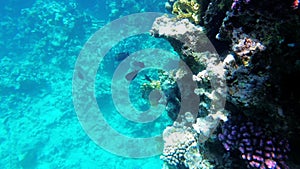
[[189, 9]]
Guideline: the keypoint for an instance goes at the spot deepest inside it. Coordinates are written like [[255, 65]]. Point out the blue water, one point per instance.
[[39, 43]]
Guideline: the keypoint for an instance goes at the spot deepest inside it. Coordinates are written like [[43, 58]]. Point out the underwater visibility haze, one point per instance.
[[157, 84]]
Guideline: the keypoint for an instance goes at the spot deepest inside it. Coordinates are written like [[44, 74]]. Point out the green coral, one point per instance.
[[189, 9]]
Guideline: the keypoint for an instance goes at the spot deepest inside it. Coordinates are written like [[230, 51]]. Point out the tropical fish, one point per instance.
[[139, 64], [147, 78], [137, 67], [132, 75], [121, 56]]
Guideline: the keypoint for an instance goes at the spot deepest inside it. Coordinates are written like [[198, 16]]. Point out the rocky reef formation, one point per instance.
[[182, 147], [255, 78], [183, 139]]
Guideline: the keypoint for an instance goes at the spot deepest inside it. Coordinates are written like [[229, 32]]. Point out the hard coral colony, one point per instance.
[[253, 41]]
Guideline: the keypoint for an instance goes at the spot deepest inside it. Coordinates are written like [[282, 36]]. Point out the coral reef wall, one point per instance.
[[258, 43]]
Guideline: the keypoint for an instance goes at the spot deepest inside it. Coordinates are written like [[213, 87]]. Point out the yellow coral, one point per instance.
[[147, 88], [189, 9], [155, 84]]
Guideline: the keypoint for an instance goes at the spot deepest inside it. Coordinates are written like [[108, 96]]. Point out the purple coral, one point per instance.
[[256, 148], [237, 5]]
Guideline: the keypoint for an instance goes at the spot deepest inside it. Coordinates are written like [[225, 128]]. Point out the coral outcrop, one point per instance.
[[258, 147], [259, 51], [189, 9], [182, 146], [185, 137]]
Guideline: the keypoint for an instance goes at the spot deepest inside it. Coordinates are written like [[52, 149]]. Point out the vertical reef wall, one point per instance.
[[244, 57]]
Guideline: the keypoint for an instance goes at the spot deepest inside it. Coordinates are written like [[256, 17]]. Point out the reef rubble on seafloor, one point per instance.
[[244, 57]]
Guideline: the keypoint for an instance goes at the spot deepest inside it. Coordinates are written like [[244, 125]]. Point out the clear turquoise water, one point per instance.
[[39, 44]]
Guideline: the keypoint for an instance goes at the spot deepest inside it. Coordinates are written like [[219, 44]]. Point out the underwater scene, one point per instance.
[[157, 84]]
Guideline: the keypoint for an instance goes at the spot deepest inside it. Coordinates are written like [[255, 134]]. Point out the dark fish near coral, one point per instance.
[[154, 97], [121, 56], [139, 64], [132, 75], [148, 78]]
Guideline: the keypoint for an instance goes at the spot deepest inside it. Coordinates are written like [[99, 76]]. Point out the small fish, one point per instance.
[[154, 98], [148, 78], [121, 56], [139, 64], [132, 75]]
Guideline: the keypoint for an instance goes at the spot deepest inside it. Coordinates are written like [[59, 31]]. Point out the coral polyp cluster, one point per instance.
[[257, 147]]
